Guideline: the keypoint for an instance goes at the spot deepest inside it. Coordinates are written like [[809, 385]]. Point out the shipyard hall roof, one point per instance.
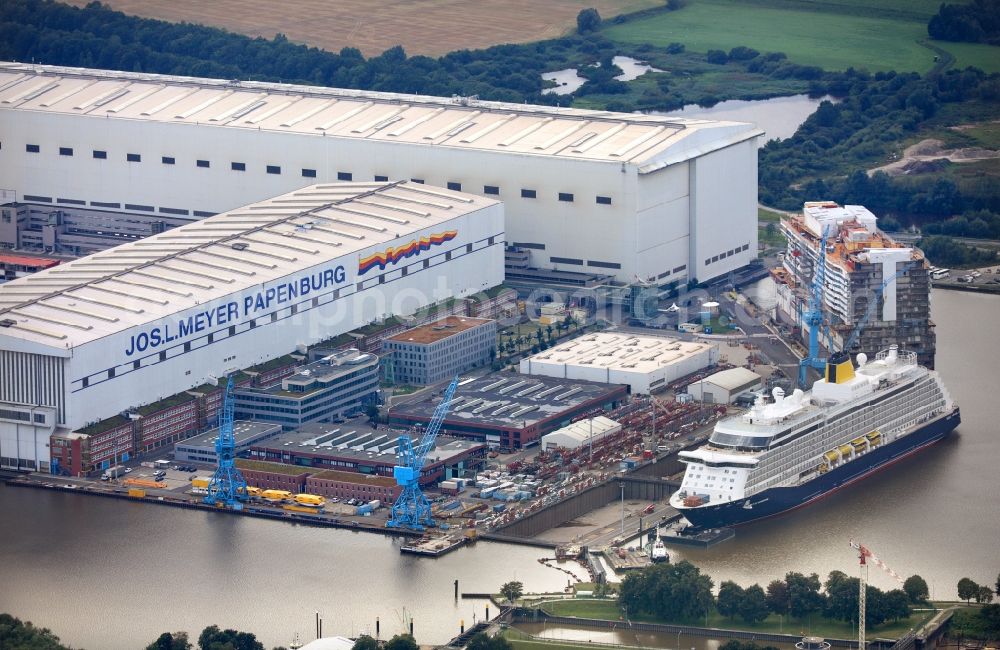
[[649, 141], [140, 282]]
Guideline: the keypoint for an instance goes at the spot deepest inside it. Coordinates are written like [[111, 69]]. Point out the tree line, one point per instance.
[[681, 593], [976, 22]]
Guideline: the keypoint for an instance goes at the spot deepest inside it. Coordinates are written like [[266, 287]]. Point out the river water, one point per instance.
[[108, 574]]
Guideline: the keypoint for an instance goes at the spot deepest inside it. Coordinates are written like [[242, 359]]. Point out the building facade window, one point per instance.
[[308, 173], [345, 176], [204, 163], [32, 148], [529, 194], [381, 179], [238, 166], [134, 157], [491, 189], [452, 185], [167, 160], [273, 169], [100, 155], [604, 200], [65, 151], [418, 180], [566, 196]]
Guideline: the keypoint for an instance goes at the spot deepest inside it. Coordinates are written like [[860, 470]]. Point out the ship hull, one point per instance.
[[775, 501]]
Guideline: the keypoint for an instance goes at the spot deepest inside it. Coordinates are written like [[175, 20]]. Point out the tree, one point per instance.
[[588, 20], [803, 594], [673, 592], [212, 638], [777, 597], [753, 607], [365, 642], [967, 589], [15, 634], [717, 57], [896, 604], [402, 642], [168, 641], [984, 595], [730, 595], [916, 589], [997, 590], [483, 642], [512, 591]]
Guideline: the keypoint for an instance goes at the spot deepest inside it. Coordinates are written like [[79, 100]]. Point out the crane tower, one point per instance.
[[228, 487], [411, 509], [813, 317], [864, 557]]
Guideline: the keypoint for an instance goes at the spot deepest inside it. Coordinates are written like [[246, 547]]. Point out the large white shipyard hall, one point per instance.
[[639, 197], [123, 328]]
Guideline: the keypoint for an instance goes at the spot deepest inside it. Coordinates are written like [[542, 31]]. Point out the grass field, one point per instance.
[[835, 34], [608, 610], [431, 27]]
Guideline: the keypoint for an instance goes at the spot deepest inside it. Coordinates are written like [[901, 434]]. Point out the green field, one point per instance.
[[835, 35], [816, 625]]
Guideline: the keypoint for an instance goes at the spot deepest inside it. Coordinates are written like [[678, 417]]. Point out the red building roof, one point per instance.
[[24, 260]]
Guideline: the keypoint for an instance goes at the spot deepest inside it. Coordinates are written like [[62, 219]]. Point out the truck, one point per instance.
[[115, 472]]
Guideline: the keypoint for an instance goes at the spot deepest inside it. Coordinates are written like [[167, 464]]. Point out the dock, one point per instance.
[[621, 560], [676, 534], [433, 546]]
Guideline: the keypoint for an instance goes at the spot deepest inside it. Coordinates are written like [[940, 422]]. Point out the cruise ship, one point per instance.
[[792, 450]]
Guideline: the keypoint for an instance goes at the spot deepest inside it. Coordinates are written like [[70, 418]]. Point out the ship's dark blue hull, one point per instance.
[[774, 501]]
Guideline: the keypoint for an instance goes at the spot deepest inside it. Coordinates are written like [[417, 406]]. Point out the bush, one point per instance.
[[742, 53], [588, 20], [718, 57], [675, 48]]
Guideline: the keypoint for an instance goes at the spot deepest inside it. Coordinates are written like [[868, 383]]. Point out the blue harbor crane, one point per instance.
[[411, 509], [228, 487], [813, 317]]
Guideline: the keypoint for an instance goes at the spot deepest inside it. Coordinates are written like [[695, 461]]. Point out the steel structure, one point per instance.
[[872, 304], [228, 487], [865, 555], [411, 509], [813, 317]]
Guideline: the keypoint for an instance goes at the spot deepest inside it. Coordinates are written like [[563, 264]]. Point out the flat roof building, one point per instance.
[[440, 350], [201, 448], [725, 386], [656, 197], [338, 384], [512, 411], [13, 266], [355, 446], [644, 363], [111, 332], [582, 432]]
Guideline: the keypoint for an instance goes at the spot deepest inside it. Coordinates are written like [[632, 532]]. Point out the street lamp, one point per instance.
[[623, 509]]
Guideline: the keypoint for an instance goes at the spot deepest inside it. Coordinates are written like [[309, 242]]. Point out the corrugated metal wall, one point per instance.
[[36, 379]]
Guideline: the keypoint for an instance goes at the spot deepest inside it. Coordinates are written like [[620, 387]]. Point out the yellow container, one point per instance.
[[136, 492], [201, 481]]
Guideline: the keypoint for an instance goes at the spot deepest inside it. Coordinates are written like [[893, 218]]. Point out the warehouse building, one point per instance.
[[655, 197], [644, 363], [338, 384], [582, 432], [201, 448], [351, 485], [512, 411], [152, 319], [725, 386], [440, 350], [356, 447]]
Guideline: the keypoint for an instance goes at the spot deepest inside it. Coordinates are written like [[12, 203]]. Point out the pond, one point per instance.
[[780, 117], [569, 81]]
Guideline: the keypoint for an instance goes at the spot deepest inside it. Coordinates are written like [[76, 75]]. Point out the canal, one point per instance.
[[103, 573]]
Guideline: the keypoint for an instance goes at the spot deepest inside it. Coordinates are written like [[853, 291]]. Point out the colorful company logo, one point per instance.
[[395, 253]]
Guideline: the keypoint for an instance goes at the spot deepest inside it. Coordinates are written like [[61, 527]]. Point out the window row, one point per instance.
[[729, 253]]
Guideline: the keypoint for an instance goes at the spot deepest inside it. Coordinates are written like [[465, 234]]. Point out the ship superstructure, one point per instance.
[[794, 449]]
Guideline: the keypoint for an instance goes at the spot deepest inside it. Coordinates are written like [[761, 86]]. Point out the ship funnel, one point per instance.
[[893, 354], [839, 369]]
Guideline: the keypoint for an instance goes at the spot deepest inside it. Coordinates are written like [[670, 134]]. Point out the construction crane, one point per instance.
[[872, 304], [228, 487], [411, 509], [864, 557], [813, 317]]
